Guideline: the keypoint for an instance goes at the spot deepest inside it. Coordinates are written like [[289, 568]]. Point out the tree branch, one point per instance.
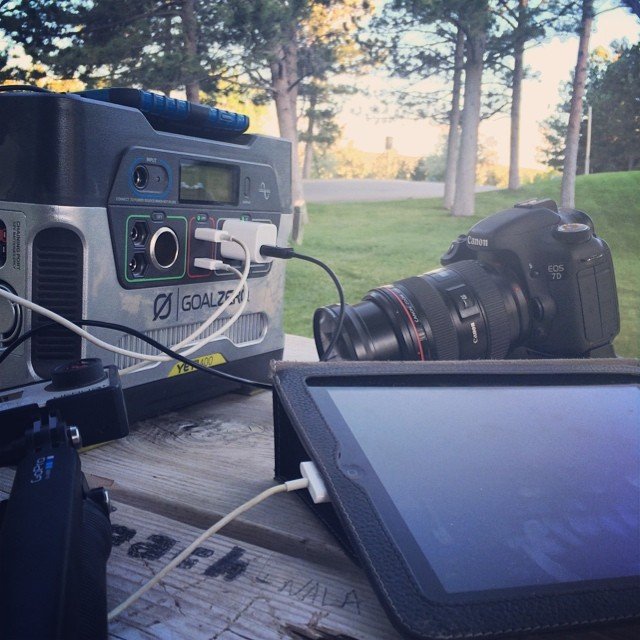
[[512, 23]]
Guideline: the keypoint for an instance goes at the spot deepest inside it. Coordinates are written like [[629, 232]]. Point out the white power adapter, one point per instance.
[[252, 234]]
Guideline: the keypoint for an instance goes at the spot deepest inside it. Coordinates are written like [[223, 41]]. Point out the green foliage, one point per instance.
[[430, 168], [419, 172], [4, 58], [613, 96], [170, 44], [258, 26], [416, 39], [346, 161], [319, 32], [320, 107], [325, 165], [612, 92], [117, 42], [380, 242], [27, 20], [488, 172], [404, 171], [554, 132]]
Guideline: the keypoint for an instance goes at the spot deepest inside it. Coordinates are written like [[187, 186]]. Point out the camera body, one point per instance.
[[530, 281], [564, 269], [98, 212]]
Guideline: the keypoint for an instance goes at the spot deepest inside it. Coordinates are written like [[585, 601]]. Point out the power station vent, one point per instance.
[[248, 328], [57, 285]]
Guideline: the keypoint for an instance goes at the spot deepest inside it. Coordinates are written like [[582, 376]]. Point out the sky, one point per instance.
[[553, 61]]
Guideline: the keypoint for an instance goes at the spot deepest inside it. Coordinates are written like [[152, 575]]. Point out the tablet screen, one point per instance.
[[501, 487]]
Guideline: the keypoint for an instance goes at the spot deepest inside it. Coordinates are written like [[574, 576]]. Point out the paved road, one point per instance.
[[372, 190]]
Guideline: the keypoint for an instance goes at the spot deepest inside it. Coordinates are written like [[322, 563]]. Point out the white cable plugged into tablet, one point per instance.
[[311, 480], [317, 488]]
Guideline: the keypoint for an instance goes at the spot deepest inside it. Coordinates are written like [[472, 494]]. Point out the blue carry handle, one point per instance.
[[175, 116]]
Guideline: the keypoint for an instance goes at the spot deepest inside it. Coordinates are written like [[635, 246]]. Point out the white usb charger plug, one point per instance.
[[250, 234], [253, 234]]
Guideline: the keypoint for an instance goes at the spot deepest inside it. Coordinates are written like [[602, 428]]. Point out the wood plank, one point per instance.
[[197, 464], [269, 596], [237, 591], [299, 349], [230, 591]]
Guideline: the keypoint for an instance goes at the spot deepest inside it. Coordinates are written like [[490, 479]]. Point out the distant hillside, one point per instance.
[[611, 198], [497, 175], [346, 161]]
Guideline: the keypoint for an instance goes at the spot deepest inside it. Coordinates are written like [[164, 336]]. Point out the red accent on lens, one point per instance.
[[411, 321]]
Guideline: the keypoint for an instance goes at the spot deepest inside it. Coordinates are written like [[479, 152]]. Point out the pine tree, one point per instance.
[[319, 110], [453, 38], [611, 91], [570, 164], [160, 45], [287, 44]]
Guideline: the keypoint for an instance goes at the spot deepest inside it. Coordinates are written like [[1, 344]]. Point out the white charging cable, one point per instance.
[[145, 356], [311, 480], [74, 328], [232, 296]]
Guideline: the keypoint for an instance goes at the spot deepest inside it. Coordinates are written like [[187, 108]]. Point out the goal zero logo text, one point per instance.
[[208, 300], [163, 303], [162, 306]]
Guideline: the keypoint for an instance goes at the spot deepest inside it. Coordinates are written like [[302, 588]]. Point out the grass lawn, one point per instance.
[[370, 244]]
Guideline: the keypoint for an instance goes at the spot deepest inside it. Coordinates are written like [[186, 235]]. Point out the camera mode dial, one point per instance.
[[573, 232]]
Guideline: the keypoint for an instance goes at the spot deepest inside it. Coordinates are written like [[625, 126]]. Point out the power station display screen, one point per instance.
[[208, 183]]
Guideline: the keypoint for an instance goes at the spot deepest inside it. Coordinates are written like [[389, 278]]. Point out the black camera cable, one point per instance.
[[141, 336], [285, 253]]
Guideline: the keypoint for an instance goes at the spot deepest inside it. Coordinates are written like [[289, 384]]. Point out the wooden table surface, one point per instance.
[[274, 573]]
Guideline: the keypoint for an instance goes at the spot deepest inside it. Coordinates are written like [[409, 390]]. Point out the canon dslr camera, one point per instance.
[[531, 281]]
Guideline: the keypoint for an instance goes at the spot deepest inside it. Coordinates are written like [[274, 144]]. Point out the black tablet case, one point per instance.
[[299, 435]]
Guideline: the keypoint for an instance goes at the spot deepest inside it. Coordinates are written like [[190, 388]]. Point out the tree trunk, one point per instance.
[[308, 147], [516, 97], [463, 203], [575, 112], [190, 30], [284, 87], [308, 160], [453, 139]]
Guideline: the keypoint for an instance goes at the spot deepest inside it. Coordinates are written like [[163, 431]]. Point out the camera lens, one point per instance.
[[467, 310]]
